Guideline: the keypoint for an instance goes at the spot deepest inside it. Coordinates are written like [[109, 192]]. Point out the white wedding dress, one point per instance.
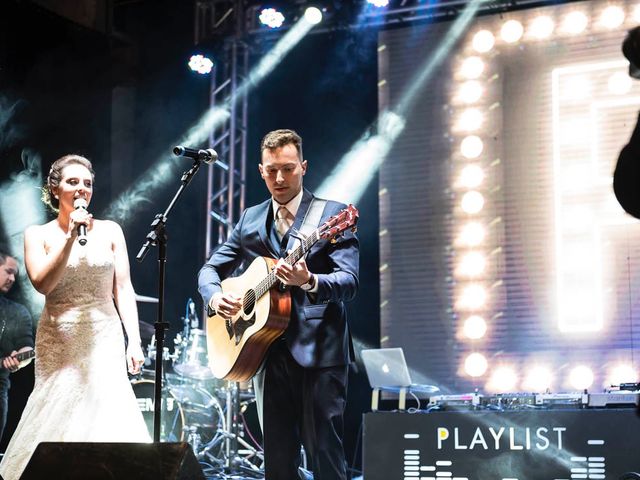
[[82, 392]]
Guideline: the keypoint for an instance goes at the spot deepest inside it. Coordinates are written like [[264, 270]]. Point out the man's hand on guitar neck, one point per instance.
[[11, 363], [294, 275], [225, 305]]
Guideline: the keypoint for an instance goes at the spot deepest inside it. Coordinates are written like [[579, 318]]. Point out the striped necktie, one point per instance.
[[283, 221]]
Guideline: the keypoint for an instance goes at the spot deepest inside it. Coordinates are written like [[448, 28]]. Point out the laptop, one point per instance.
[[387, 370]]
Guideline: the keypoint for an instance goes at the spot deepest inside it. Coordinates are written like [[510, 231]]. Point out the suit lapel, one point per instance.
[[266, 213]]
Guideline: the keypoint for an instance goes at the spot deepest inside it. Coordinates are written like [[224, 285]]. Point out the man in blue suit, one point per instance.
[[303, 382]]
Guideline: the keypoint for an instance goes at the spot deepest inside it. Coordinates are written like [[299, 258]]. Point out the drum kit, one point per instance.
[[196, 407]]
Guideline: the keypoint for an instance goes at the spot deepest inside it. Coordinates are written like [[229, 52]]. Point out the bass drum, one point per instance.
[[172, 418]]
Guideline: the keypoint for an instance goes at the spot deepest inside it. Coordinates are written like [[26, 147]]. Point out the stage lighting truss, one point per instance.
[[579, 96]]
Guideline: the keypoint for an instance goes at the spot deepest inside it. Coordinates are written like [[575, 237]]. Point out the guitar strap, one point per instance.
[[311, 219]]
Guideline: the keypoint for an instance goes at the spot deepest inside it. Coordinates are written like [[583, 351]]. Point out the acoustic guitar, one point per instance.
[[237, 346]]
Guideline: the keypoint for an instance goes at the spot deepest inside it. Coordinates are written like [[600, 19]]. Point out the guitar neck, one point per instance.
[[297, 253]]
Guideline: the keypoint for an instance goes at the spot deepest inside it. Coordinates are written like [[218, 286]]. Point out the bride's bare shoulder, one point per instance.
[[39, 232]]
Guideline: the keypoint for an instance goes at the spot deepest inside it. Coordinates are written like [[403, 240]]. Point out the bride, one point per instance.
[[82, 392]]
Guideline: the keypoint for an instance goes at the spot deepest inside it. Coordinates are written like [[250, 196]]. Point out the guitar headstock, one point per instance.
[[334, 226]]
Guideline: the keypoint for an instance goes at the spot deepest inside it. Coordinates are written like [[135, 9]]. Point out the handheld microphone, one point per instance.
[[207, 156], [82, 228]]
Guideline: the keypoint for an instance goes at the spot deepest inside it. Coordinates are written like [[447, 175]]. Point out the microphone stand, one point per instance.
[[157, 236]]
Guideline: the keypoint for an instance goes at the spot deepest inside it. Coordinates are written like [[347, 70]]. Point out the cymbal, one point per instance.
[[144, 299]]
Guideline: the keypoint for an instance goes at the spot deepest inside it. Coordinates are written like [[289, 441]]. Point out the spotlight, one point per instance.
[[575, 22], [541, 27], [475, 327], [470, 92], [483, 41], [472, 264], [313, 15], [472, 68], [378, 3], [271, 17], [623, 373], [581, 377], [471, 176], [471, 146], [200, 64], [612, 17], [511, 31], [475, 365], [577, 88], [470, 120], [472, 234], [538, 379], [503, 379], [472, 202], [473, 297]]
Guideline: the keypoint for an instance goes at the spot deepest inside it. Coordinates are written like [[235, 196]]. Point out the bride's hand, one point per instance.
[[135, 359], [77, 217]]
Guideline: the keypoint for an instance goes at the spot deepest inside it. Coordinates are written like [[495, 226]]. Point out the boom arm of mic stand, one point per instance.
[[157, 236]]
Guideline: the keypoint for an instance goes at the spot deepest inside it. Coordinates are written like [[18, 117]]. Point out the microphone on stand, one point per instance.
[[81, 203], [207, 156]]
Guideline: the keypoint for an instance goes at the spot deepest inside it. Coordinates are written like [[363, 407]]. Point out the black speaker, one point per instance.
[[113, 461]]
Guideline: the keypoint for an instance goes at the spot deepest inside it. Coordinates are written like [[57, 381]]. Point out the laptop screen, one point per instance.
[[386, 368]]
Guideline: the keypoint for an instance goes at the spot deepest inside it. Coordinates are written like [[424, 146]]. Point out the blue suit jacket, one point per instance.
[[318, 333]]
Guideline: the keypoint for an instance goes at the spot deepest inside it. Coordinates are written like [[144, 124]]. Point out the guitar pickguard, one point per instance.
[[236, 329]]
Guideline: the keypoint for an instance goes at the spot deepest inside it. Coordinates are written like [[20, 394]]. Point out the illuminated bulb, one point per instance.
[[577, 87], [472, 67], [472, 202], [503, 379], [581, 377], [471, 176], [271, 17], [313, 15], [473, 297], [483, 41], [538, 380], [475, 327], [471, 146], [472, 234], [541, 27], [511, 31], [575, 22], [619, 83], [475, 365], [470, 120], [472, 264], [470, 92], [623, 373], [612, 17]]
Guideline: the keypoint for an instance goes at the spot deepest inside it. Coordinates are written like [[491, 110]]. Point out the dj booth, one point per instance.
[[535, 444]]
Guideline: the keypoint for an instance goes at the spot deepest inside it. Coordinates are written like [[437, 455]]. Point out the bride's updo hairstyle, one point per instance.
[[55, 176]]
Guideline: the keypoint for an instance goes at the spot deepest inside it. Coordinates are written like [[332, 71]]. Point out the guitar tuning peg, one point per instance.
[[354, 229], [334, 240]]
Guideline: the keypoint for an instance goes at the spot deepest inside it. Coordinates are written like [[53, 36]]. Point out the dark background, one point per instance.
[[62, 77]]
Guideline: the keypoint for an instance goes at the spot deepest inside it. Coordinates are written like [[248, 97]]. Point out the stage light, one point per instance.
[[636, 14], [471, 176], [200, 64], [470, 120], [472, 68], [271, 17], [483, 41], [619, 83], [473, 297], [575, 22], [475, 327], [581, 377], [538, 380], [472, 234], [503, 379], [470, 92], [575, 131], [622, 373], [511, 31], [475, 365], [541, 27], [472, 264], [472, 202], [471, 146], [313, 15], [612, 17], [378, 3]]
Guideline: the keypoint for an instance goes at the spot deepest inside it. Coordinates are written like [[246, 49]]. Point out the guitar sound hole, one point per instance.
[[249, 302]]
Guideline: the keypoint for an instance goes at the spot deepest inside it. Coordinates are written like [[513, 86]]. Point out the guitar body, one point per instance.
[[237, 347]]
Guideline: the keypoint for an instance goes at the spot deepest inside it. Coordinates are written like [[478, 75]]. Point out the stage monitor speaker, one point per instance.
[[113, 461]]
